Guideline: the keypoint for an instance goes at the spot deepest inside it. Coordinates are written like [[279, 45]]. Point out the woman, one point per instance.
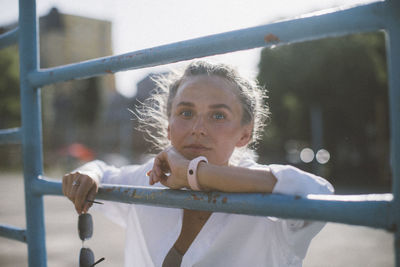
[[206, 119]]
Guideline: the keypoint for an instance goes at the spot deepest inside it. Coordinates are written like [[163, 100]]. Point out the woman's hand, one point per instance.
[[79, 188], [169, 169]]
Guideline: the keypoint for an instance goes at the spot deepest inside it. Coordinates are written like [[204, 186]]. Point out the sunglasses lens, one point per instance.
[[85, 226], [86, 257]]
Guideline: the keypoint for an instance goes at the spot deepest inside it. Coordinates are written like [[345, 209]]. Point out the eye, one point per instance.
[[186, 113], [218, 116]]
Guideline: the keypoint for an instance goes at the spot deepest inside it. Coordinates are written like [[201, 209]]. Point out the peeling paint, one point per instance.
[[209, 195], [195, 197], [212, 197], [151, 196], [271, 38], [110, 189], [133, 194]]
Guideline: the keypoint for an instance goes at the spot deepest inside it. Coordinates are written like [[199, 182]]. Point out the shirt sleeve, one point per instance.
[[106, 174], [293, 181]]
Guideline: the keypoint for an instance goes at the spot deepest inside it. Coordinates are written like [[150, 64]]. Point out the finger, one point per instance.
[[156, 172], [157, 166], [168, 182], [64, 184], [148, 174], [164, 166], [154, 178], [151, 181], [68, 185], [74, 186], [91, 196], [82, 193], [164, 182]]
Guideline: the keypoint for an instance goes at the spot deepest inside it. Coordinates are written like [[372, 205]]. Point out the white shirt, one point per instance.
[[225, 239]]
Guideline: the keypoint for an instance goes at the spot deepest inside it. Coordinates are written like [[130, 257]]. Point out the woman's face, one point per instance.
[[206, 119]]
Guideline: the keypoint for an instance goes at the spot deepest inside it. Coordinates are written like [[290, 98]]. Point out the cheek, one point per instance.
[[177, 128], [226, 131]]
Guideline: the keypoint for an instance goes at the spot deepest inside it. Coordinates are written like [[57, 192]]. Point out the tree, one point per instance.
[[346, 79], [9, 88], [10, 111]]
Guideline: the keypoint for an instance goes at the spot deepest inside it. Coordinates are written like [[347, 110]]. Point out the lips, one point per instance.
[[196, 147]]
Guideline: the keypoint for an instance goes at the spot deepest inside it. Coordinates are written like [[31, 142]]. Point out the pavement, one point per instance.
[[337, 245]]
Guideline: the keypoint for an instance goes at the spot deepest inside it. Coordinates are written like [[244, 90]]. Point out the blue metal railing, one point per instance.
[[378, 210], [9, 38]]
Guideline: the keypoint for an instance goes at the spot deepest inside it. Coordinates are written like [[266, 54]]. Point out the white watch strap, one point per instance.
[[192, 172]]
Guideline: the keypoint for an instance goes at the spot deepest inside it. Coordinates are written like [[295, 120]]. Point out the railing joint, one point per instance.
[[11, 136], [13, 233]]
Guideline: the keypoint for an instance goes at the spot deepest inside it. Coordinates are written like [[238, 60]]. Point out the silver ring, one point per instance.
[[75, 183]]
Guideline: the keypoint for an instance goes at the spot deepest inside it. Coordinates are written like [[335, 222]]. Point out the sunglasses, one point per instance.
[[85, 230]]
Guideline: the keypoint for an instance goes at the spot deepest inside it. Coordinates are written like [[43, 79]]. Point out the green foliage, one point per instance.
[[346, 77], [9, 88]]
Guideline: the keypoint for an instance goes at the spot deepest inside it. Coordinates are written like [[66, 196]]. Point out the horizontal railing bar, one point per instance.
[[10, 136], [14, 233], [372, 210], [354, 20], [9, 38]]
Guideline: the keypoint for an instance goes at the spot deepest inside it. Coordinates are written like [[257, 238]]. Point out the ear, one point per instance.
[[246, 135]]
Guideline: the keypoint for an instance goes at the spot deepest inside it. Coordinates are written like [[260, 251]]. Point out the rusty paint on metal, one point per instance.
[[109, 71], [195, 197], [271, 38], [224, 200], [209, 196], [212, 197], [152, 195]]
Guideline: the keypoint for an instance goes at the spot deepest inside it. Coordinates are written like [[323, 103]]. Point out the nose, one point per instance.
[[199, 127]]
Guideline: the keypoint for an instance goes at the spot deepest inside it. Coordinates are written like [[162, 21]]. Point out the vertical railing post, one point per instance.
[[393, 50], [31, 132]]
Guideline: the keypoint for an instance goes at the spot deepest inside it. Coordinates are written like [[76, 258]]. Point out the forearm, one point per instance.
[[234, 179]]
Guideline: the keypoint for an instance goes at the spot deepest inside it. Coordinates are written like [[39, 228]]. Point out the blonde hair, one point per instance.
[[154, 113]]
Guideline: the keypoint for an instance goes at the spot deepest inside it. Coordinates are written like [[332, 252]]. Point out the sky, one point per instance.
[[140, 24]]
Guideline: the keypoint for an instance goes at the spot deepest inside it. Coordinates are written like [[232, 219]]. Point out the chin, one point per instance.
[[194, 153]]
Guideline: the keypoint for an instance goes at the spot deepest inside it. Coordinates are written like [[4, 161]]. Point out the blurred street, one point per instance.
[[337, 245]]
